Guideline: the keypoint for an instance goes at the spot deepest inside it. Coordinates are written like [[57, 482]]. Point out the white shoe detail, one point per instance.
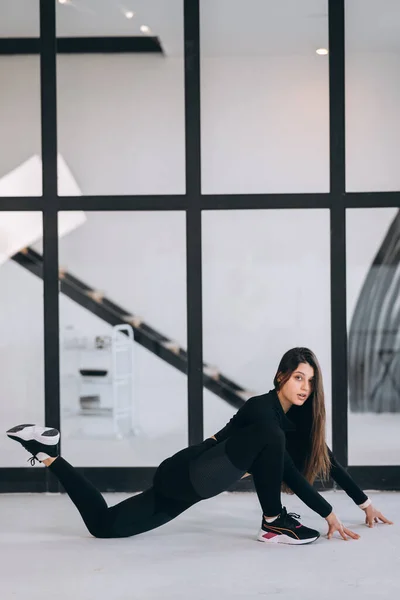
[[36, 432], [41, 456]]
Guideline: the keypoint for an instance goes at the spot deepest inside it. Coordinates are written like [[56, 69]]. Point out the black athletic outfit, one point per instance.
[[253, 441]]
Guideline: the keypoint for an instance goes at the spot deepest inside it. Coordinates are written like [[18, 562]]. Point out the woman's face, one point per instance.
[[299, 386]]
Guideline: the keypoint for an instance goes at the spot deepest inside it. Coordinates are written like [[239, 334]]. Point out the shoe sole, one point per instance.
[[47, 436], [284, 539]]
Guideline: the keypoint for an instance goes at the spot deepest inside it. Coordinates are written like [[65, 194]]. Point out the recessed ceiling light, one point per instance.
[[129, 14], [145, 29], [322, 51], [63, 1]]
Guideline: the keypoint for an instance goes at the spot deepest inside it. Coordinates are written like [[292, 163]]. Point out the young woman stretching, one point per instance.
[[281, 454]]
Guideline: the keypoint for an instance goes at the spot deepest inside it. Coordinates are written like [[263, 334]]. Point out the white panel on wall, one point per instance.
[[21, 356], [21, 229], [266, 288], [19, 115], [121, 122], [138, 261], [264, 97], [105, 18], [19, 18], [255, 138], [372, 95]]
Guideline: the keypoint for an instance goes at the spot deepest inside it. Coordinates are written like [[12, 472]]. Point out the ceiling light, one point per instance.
[[322, 51], [145, 29], [63, 1], [129, 14]]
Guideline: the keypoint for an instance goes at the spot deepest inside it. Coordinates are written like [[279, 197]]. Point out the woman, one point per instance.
[[281, 454]]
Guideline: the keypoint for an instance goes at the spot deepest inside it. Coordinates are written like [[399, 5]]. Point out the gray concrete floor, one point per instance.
[[208, 552]]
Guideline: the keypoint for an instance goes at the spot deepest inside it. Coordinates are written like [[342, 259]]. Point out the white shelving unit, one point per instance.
[[108, 391]]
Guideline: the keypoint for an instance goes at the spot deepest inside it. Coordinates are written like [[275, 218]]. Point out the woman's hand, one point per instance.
[[336, 525], [372, 515]]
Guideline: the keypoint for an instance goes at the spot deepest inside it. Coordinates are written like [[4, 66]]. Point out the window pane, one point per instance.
[[264, 96], [123, 269], [121, 116], [266, 289], [20, 156], [372, 95], [21, 325], [373, 283], [19, 18], [109, 18]]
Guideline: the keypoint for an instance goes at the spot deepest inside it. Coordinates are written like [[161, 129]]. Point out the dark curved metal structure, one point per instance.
[[374, 336]]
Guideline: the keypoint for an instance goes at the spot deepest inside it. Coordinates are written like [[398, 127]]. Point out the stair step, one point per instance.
[[96, 295], [173, 346], [212, 372], [134, 320]]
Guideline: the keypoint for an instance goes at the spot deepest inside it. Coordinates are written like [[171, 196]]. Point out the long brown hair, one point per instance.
[[306, 445]]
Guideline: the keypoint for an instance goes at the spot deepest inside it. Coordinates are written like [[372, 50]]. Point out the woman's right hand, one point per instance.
[[336, 525]]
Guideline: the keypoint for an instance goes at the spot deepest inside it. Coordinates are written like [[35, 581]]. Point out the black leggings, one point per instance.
[[193, 474]]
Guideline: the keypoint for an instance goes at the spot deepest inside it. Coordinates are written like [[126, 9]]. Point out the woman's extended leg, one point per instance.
[[190, 475], [134, 515], [137, 514]]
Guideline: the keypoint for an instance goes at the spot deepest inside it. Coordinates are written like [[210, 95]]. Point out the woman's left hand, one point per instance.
[[372, 516]]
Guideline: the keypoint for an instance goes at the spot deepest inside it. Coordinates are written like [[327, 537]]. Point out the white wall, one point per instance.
[[121, 131], [19, 111], [372, 122], [266, 288], [264, 122], [21, 350], [265, 125], [121, 123]]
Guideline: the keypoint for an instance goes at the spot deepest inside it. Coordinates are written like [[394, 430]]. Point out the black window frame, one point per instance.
[[193, 202]]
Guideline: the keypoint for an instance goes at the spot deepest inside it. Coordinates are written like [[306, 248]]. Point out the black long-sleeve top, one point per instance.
[[268, 407]]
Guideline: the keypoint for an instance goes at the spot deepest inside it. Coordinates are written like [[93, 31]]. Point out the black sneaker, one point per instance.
[[41, 442], [286, 530]]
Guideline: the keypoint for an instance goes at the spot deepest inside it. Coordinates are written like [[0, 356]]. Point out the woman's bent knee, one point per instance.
[[102, 529]]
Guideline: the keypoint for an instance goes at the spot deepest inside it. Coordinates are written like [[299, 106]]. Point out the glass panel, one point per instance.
[[19, 18], [373, 301], [266, 289], [21, 325], [372, 95], [20, 156], [264, 96], [123, 269], [109, 18], [121, 117]]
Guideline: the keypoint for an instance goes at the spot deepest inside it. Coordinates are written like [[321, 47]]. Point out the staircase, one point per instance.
[[146, 336]]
